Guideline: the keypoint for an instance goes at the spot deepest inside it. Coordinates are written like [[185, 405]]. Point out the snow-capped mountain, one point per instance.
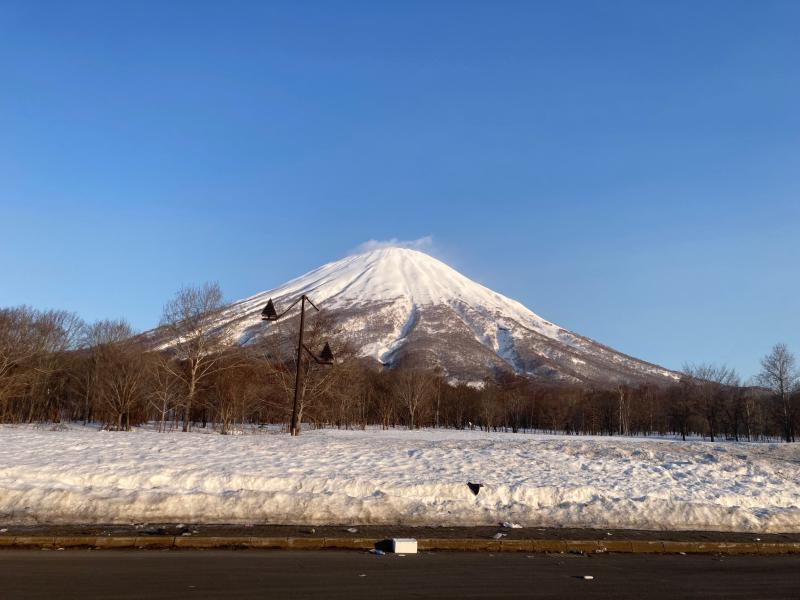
[[403, 307]]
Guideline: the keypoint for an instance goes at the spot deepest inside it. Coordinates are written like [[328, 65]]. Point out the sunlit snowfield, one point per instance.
[[83, 475]]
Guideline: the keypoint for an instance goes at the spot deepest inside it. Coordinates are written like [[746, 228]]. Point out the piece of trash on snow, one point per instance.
[[180, 526], [757, 539], [587, 577], [508, 525], [609, 533], [4, 529], [351, 530], [498, 536], [474, 487]]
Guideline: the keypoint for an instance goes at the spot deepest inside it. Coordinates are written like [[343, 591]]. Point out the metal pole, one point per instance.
[[295, 426]]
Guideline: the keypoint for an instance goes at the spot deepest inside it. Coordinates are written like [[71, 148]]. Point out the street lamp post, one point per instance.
[[325, 356]]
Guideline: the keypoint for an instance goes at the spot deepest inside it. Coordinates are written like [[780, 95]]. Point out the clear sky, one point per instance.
[[629, 170]]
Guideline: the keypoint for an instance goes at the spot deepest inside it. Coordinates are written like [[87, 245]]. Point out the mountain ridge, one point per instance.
[[403, 307]]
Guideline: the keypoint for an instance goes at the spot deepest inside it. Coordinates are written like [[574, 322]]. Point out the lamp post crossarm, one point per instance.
[[312, 304], [293, 304]]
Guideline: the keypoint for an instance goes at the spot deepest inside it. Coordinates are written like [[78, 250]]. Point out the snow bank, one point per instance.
[[396, 477]]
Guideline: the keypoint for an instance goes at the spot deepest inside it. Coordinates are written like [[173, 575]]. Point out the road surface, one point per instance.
[[34, 574]]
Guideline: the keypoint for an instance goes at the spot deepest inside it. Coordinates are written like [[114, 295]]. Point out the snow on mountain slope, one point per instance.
[[402, 306], [398, 273]]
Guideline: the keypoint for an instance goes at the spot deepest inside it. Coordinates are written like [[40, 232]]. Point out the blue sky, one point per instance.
[[629, 170]]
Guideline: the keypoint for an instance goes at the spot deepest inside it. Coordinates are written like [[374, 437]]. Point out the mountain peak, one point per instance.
[[384, 251], [387, 274]]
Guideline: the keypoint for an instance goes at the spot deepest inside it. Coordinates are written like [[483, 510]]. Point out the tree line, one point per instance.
[[56, 368]]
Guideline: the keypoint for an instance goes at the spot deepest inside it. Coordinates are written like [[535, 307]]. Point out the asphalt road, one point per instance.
[[33, 574]]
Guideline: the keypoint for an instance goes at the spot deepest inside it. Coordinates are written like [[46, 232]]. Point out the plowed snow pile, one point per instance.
[[81, 475]]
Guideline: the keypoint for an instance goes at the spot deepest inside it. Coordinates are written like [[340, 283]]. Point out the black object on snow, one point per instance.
[[474, 487]]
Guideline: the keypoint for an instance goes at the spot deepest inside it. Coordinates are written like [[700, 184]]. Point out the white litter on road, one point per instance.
[[404, 545], [81, 475]]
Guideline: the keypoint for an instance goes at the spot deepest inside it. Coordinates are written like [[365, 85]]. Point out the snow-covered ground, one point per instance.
[[81, 475]]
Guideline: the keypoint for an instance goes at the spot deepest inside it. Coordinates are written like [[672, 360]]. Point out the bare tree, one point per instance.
[[59, 332], [122, 381], [18, 346], [33, 344], [96, 338], [681, 407], [412, 388], [711, 383], [779, 373], [196, 338], [164, 393], [438, 374], [623, 409], [384, 401], [233, 392]]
